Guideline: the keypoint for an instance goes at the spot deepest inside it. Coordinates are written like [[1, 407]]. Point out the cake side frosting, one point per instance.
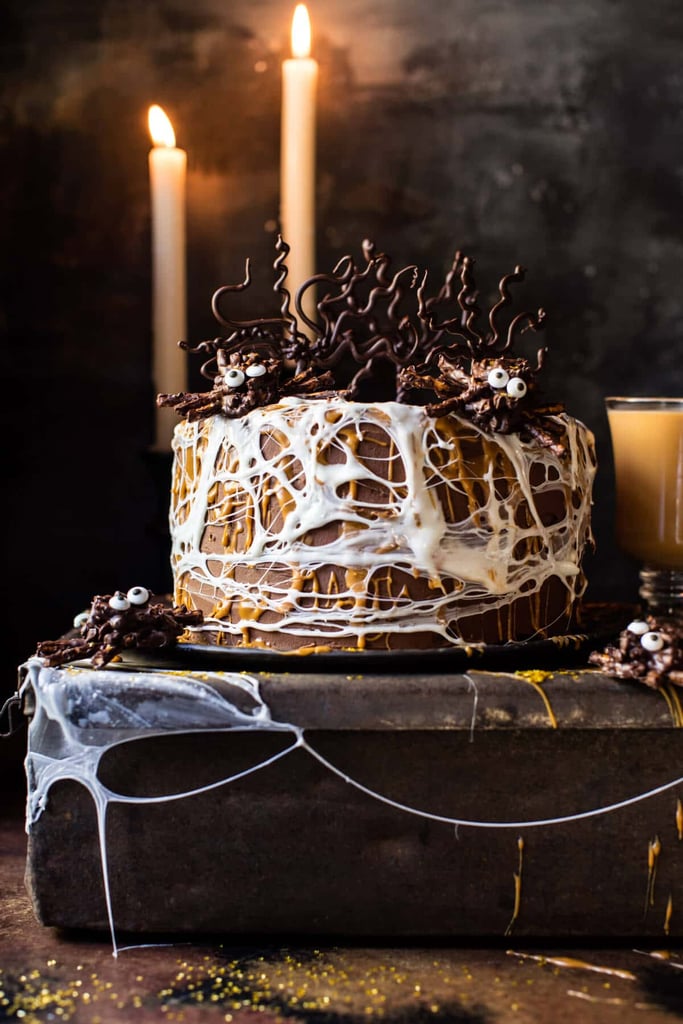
[[318, 523]]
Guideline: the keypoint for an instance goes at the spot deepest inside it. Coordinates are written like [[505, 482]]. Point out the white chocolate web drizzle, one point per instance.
[[290, 490]]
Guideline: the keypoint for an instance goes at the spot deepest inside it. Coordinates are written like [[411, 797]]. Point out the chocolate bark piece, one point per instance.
[[119, 622]]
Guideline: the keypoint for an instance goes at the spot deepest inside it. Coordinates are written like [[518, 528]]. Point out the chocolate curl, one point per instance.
[[275, 335], [466, 298], [286, 320], [532, 322], [505, 300], [372, 328], [446, 291], [344, 274], [294, 343], [456, 327], [231, 289], [393, 290], [280, 267], [540, 358]]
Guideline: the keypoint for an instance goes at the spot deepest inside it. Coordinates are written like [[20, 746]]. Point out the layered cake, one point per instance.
[[307, 515]]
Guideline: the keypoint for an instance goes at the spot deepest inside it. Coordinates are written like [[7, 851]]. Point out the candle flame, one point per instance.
[[160, 128], [301, 32]]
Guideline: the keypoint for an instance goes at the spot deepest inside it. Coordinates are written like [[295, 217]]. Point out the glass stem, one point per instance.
[[662, 591]]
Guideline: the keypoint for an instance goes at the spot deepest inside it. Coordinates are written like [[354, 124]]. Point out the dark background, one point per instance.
[[545, 132]]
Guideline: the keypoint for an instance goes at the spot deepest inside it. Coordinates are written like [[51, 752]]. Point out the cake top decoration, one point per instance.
[[649, 651], [369, 317], [118, 622]]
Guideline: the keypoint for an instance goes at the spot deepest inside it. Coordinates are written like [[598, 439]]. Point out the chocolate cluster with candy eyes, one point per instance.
[[648, 650], [246, 381], [500, 389], [497, 394], [118, 622]]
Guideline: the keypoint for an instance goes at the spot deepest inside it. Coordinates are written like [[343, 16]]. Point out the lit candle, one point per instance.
[[167, 171], [297, 155]]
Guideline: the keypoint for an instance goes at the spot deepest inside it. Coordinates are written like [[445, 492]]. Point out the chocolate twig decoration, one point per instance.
[[368, 316]]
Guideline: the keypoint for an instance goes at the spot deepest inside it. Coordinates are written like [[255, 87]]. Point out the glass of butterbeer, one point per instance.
[[647, 441]]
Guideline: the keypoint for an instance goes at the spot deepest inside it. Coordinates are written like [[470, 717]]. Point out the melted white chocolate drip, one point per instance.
[[497, 551]]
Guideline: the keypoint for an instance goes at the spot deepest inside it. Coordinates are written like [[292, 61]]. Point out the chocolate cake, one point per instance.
[[386, 476]]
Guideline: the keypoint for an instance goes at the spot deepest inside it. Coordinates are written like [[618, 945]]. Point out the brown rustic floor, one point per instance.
[[46, 976]]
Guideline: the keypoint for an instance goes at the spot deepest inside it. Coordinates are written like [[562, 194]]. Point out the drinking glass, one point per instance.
[[647, 441]]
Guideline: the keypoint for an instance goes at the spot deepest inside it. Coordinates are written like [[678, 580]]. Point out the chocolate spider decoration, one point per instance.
[[118, 622], [648, 650], [481, 378], [491, 393], [245, 381], [248, 367]]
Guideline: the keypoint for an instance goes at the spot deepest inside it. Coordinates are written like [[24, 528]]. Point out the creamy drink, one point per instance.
[[647, 440]]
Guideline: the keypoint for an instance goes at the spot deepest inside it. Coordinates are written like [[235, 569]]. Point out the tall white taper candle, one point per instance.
[[297, 155], [167, 173]]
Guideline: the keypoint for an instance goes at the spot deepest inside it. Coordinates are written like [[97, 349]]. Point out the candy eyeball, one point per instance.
[[255, 370], [516, 388], [652, 641], [138, 595], [498, 378], [119, 602], [81, 619], [638, 627], [233, 378]]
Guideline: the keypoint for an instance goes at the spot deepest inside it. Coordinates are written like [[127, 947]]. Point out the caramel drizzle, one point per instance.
[[517, 876], [670, 694], [532, 678], [654, 848], [668, 914], [573, 964]]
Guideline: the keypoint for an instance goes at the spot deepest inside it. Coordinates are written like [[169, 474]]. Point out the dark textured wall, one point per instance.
[[544, 132]]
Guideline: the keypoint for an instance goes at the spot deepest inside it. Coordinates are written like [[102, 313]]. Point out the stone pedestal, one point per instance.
[[464, 804]]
